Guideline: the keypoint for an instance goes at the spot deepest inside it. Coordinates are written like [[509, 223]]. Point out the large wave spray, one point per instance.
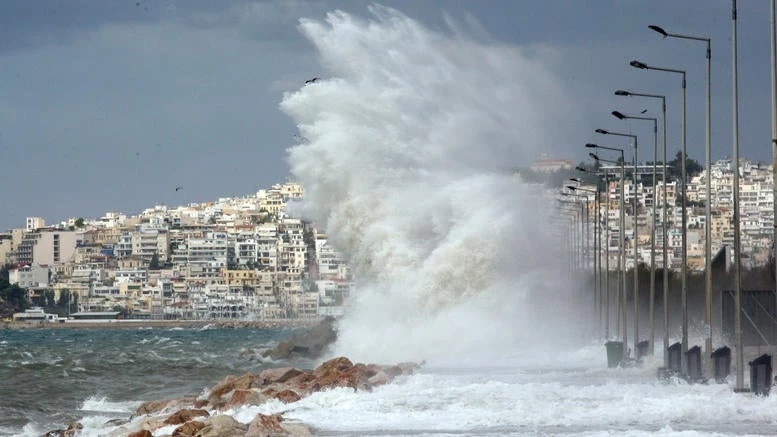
[[405, 155]]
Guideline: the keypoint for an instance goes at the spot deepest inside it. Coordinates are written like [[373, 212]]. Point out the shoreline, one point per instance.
[[134, 323]]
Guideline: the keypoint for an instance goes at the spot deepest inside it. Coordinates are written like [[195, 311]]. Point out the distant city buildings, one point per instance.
[[241, 257], [756, 214]]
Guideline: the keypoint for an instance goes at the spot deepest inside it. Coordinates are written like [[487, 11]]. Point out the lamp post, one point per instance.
[[740, 378], [684, 230], [773, 35], [664, 227], [585, 233], [635, 235], [604, 278], [651, 312], [622, 257], [576, 233], [597, 295], [708, 206]]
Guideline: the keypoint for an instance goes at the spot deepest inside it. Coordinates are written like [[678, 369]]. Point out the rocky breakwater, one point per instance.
[[205, 416]]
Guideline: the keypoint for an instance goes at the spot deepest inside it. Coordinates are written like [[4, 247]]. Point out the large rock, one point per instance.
[[309, 343], [185, 415], [222, 426], [274, 425], [279, 374], [230, 383], [143, 433], [162, 406], [188, 429]]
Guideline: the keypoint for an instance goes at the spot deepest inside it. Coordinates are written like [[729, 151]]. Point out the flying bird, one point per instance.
[[178, 188], [643, 111], [309, 81]]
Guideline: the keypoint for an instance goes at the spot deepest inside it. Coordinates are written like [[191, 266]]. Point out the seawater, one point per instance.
[[51, 377]]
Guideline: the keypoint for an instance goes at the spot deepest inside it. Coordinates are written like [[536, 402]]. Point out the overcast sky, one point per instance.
[[109, 105]]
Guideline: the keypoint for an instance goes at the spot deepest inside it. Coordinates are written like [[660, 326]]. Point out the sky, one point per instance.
[[109, 106]]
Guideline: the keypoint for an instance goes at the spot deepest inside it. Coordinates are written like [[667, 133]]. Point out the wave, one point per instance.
[[406, 156]]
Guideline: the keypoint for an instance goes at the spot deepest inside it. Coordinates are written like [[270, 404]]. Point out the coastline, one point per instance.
[[188, 324]]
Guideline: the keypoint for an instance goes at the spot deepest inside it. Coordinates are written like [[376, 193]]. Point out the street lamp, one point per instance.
[[664, 226], [584, 228], [708, 206], [635, 234], [576, 234], [604, 279], [622, 116], [597, 300], [740, 377], [622, 225], [684, 230]]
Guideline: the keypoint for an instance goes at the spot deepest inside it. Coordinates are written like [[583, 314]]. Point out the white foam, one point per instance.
[[104, 405], [408, 144]]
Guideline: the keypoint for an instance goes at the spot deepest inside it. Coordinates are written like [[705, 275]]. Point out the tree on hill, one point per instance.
[[154, 264]]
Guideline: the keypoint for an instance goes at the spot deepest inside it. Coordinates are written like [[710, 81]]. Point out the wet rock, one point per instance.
[[70, 431], [251, 396], [185, 415], [310, 343], [230, 383], [161, 406], [279, 374], [222, 426], [188, 429], [274, 425], [143, 433]]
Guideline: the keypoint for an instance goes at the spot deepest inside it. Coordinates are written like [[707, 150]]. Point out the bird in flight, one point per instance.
[[311, 80], [178, 188], [643, 111]]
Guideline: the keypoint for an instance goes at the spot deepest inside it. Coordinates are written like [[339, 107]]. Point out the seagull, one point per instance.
[[643, 111], [309, 81], [178, 188]]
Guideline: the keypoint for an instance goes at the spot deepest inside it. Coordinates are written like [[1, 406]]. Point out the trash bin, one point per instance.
[[675, 361], [643, 347], [761, 375], [614, 353], [721, 364], [693, 358]]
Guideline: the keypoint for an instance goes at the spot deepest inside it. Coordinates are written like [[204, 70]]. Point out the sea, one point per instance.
[[52, 377]]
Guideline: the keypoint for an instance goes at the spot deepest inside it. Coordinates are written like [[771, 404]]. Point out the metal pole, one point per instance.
[[665, 250], [635, 233], [607, 258], [623, 255], [740, 378], [708, 233], [774, 133], [684, 266], [653, 245]]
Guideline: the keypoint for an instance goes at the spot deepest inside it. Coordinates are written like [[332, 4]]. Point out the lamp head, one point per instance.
[[571, 187], [637, 64], [659, 30], [618, 115], [576, 180], [578, 168], [594, 156], [592, 145], [601, 131]]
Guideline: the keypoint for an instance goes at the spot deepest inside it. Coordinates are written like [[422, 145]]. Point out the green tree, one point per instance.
[[79, 222], [154, 264]]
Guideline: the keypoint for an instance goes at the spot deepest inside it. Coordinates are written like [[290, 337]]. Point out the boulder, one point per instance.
[[185, 415], [70, 431], [287, 396], [251, 396], [274, 425], [143, 433], [278, 374], [230, 383], [222, 426], [161, 406], [188, 429]]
